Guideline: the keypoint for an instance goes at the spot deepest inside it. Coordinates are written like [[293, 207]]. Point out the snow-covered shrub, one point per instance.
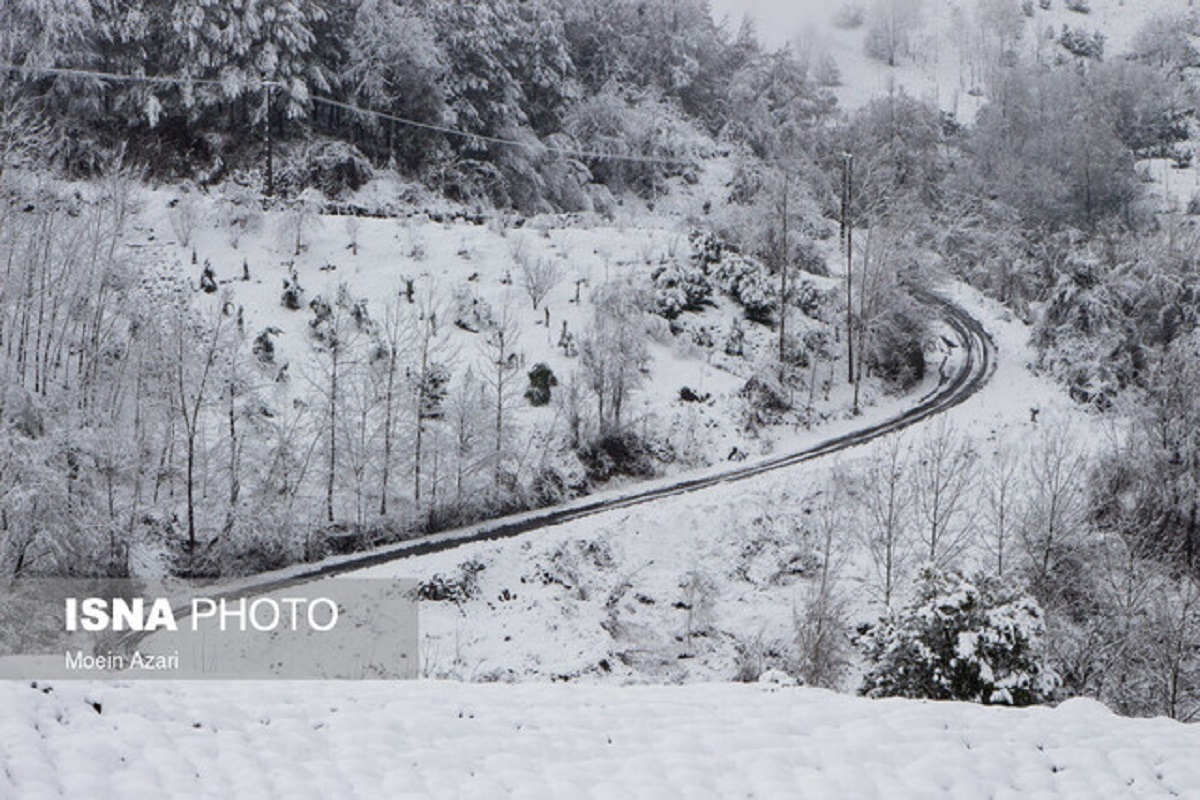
[[1193, 206], [1078, 6], [960, 639], [471, 312], [336, 168], [744, 279], [735, 339], [240, 212], [747, 281], [616, 454], [458, 587], [756, 293], [766, 401], [680, 287], [573, 565], [1082, 44], [826, 71], [208, 279], [293, 293], [264, 345]]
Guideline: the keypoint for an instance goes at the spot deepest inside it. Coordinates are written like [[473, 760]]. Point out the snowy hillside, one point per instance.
[[435, 740], [707, 586], [943, 46]]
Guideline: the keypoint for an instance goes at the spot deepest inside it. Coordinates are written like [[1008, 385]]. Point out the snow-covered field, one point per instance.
[[434, 739]]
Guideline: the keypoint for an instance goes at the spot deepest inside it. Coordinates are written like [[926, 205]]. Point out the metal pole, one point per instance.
[[848, 240]]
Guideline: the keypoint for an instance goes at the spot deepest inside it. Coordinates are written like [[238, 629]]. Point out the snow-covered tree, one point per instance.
[[960, 639], [614, 351]]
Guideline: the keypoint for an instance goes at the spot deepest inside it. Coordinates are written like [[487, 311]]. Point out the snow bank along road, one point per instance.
[[972, 369]]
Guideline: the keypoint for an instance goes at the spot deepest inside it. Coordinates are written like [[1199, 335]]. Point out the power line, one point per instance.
[[563, 151], [65, 72], [567, 152]]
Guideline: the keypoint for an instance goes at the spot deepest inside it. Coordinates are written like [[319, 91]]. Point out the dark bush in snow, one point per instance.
[[541, 384], [293, 293], [897, 351], [456, 588], [264, 345], [616, 454]]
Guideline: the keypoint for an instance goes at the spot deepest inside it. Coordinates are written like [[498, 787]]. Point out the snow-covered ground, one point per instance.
[[947, 41], [613, 597], [434, 739]]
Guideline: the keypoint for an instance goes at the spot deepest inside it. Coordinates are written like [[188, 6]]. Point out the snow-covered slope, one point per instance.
[[947, 40], [428, 739]]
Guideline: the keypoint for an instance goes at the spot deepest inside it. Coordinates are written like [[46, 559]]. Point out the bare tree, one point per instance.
[[336, 330], [193, 383], [821, 622], [571, 399], [24, 134], [429, 378], [184, 215], [466, 414], [1175, 616], [538, 277], [888, 501], [499, 345], [1004, 490], [302, 217], [1054, 517], [353, 226], [943, 488], [395, 348]]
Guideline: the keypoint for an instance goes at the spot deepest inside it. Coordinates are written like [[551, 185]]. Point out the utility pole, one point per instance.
[[783, 280], [848, 243], [270, 143]]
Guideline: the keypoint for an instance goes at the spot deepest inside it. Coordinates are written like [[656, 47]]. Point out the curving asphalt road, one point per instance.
[[974, 369]]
